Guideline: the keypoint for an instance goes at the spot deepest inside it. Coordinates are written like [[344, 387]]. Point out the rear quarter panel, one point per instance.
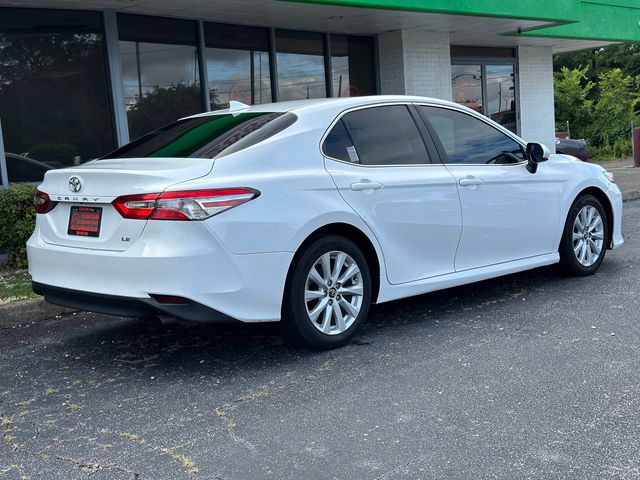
[[297, 194]]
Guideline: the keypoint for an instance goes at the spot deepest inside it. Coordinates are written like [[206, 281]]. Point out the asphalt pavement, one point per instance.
[[530, 376]]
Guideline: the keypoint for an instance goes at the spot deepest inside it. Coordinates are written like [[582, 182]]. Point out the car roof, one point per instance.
[[328, 104]]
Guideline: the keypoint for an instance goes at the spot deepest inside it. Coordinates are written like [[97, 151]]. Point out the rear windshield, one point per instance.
[[211, 136]]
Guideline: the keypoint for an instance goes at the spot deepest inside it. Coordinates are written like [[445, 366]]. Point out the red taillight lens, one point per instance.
[[137, 207], [187, 205], [42, 202]]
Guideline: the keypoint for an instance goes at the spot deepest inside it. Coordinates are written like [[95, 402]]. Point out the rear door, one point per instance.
[[385, 168]]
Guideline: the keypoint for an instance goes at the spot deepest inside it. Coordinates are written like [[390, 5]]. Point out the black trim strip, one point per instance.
[[129, 306]]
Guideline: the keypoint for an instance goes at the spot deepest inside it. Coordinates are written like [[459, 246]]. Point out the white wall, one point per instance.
[[535, 74], [415, 62]]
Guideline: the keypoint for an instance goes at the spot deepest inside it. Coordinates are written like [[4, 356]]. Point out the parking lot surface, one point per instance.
[[527, 376]]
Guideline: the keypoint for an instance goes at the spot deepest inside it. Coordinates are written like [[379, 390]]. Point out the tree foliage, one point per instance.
[[17, 221], [571, 91], [597, 92], [615, 110]]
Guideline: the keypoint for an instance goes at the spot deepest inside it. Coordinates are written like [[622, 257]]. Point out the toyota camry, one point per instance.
[[308, 212]]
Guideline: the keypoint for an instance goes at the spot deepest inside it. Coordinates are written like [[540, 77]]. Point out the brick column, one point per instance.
[[535, 93], [415, 62]]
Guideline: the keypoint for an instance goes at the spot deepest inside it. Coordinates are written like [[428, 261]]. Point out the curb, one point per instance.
[[28, 311], [632, 195]]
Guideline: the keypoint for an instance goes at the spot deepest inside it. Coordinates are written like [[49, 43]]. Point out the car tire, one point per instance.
[[323, 310], [585, 237]]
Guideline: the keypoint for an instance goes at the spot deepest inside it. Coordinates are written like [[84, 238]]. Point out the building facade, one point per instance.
[[80, 78]]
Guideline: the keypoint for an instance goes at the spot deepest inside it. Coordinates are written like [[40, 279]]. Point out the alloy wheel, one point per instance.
[[588, 235], [333, 292]]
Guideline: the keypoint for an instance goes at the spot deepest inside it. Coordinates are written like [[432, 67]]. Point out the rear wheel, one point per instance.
[[585, 237], [328, 295]]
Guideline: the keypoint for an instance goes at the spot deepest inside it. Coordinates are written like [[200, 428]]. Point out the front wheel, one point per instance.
[[585, 237], [328, 294]]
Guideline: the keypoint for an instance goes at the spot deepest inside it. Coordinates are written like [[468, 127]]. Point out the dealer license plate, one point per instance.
[[85, 221]]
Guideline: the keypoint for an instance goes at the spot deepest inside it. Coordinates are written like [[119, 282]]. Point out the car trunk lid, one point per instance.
[[86, 192]]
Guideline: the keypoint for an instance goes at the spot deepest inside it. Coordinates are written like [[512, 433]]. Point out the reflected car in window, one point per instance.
[[21, 168], [307, 212]]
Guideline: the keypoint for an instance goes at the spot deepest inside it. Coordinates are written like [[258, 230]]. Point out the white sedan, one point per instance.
[[307, 212]]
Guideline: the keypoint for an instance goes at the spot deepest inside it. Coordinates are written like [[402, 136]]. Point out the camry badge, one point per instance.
[[75, 185]]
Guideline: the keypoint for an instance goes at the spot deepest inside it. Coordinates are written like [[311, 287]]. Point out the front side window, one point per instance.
[[468, 140], [210, 136], [385, 135]]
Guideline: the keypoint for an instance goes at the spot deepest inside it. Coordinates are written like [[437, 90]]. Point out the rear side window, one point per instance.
[[385, 135], [339, 145], [210, 136], [468, 140]]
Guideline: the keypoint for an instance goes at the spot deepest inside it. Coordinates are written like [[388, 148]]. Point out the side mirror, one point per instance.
[[536, 153]]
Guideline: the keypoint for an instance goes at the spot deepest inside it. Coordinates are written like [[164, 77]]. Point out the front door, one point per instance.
[[507, 212]]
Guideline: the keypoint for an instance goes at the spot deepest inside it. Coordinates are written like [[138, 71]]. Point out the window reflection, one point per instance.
[[467, 86], [352, 66], [160, 71], [237, 64], [52, 80], [237, 75], [501, 103], [300, 58], [161, 84]]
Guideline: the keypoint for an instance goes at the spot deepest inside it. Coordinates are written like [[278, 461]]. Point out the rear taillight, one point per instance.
[[137, 207], [187, 205], [42, 202]]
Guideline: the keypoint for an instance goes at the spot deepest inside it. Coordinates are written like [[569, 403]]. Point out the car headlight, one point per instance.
[[609, 176]]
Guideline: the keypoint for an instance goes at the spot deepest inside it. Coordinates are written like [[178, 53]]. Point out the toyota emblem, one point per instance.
[[75, 185]]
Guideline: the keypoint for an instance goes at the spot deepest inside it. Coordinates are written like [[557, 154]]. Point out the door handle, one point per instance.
[[365, 185], [470, 181]]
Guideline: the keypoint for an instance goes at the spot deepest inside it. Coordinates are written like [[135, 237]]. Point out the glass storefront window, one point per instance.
[[352, 65], [237, 65], [160, 71], [488, 89], [501, 101], [54, 98], [300, 58], [466, 81]]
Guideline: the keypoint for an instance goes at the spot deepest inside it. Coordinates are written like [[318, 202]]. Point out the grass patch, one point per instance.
[[15, 285]]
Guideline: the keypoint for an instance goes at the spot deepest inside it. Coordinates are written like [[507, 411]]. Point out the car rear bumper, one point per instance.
[[189, 311], [179, 259]]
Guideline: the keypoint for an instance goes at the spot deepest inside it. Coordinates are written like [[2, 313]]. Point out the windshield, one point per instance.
[[210, 136]]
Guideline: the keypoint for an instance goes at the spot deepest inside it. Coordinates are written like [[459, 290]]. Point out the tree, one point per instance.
[[615, 110], [626, 57], [571, 91]]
